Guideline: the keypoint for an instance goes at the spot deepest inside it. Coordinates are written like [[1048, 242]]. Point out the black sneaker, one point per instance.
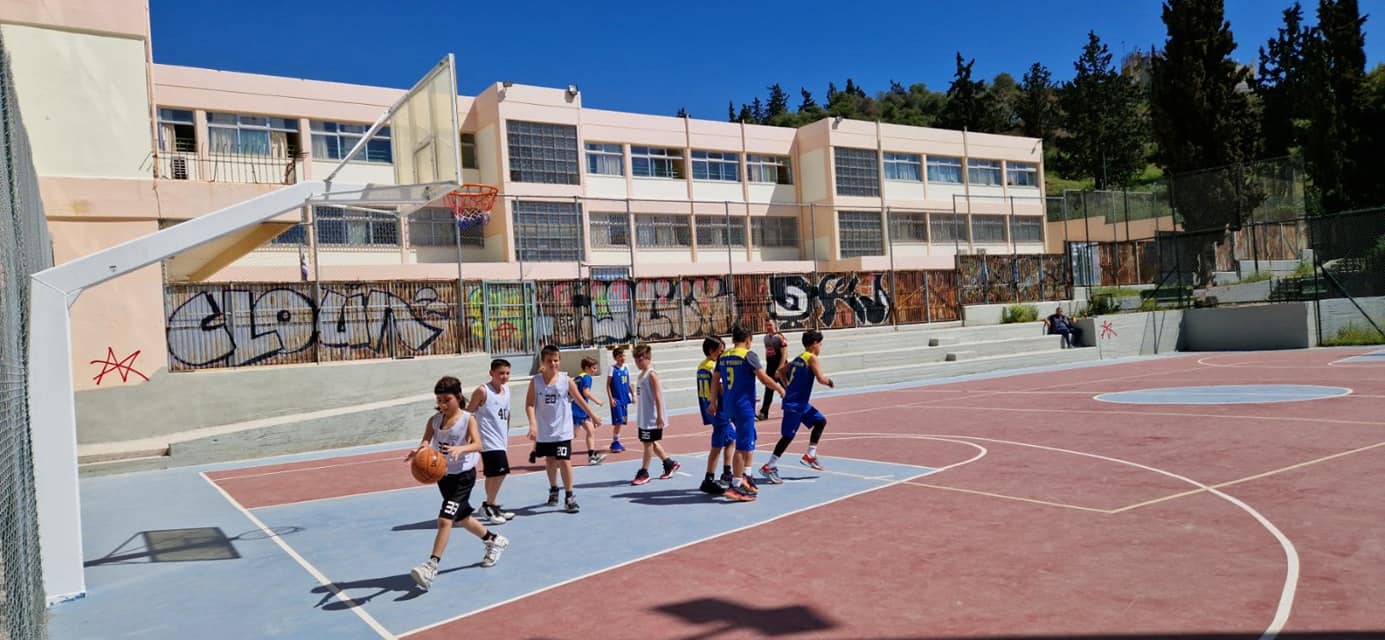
[[571, 505], [670, 466], [641, 477], [710, 487], [553, 496]]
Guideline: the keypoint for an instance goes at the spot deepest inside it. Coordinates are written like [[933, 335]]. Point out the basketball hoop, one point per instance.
[[471, 204]]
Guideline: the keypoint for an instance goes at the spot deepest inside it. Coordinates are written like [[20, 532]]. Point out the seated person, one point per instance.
[[1064, 326]]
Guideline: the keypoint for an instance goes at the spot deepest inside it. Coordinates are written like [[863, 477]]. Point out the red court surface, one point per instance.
[[1073, 518]]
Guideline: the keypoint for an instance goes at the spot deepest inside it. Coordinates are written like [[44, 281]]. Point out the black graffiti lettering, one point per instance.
[[197, 332], [791, 300]]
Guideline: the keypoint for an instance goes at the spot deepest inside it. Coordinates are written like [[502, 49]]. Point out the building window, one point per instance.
[[1021, 174], [983, 172], [903, 167], [716, 165], [341, 227], [605, 159], [437, 227], [858, 172], [333, 140], [947, 227], [908, 227], [542, 153], [776, 231], [654, 162], [988, 228], [1027, 228], [177, 130], [610, 230], [712, 231], [944, 170], [662, 231], [469, 151], [231, 133], [860, 234], [548, 231], [768, 169]]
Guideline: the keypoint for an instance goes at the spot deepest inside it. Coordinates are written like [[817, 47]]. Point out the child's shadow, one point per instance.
[[604, 484], [668, 497], [402, 583]]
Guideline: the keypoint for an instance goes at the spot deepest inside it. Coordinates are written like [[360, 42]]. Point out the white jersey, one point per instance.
[[493, 418], [552, 409], [648, 417], [454, 437]]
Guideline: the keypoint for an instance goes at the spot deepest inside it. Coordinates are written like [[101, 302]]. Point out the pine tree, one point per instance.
[[746, 115], [778, 102], [1106, 131], [731, 112], [808, 105], [1037, 108], [1004, 96], [1282, 83], [1339, 144], [682, 113], [969, 105], [757, 111]]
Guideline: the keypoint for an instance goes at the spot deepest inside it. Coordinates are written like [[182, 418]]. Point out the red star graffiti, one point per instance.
[[123, 367], [1107, 329]]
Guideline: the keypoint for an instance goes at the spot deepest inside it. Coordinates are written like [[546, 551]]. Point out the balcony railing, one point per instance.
[[233, 166]]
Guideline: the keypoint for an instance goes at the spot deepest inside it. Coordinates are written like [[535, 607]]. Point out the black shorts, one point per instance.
[[495, 463], [651, 435], [456, 495], [562, 450]]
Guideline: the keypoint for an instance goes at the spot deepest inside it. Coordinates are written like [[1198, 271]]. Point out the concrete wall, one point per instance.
[[984, 314], [1339, 313], [1269, 326], [1133, 334]]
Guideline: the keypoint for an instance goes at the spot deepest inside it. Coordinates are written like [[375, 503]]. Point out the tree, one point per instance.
[[682, 113], [1281, 84], [731, 112], [1338, 145], [1037, 107], [1202, 120], [914, 106], [746, 115], [851, 102], [757, 111], [1004, 96], [1106, 131], [778, 102], [969, 106]]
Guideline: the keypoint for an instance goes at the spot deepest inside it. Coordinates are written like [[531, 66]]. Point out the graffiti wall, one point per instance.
[[244, 324]]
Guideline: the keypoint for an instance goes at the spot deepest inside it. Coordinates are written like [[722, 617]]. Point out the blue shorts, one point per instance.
[[807, 417], [745, 432], [618, 414], [578, 420], [723, 433]]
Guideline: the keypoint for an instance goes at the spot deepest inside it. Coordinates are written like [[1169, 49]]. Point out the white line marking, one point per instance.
[[321, 579], [1232, 397]]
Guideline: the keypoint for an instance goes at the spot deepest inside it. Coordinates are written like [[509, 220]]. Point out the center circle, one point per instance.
[[1225, 394]]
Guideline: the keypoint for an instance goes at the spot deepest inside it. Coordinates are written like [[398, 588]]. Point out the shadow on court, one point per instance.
[[730, 617], [669, 497], [196, 544], [399, 583]]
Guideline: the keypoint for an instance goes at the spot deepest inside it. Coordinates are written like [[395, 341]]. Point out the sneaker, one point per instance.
[[423, 574], [725, 480], [617, 447], [493, 515], [508, 515], [494, 547], [553, 496], [571, 505], [811, 461], [641, 477], [739, 494], [711, 487], [533, 456], [762, 417], [670, 466], [595, 459], [771, 474], [749, 485]]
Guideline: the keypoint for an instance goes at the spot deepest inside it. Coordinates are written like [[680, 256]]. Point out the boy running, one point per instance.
[[618, 392], [580, 419], [490, 403], [738, 368], [800, 373], [548, 405], [723, 434], [453, 432], [651, 419]]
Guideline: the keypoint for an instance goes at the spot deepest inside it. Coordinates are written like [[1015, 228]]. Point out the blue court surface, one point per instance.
[[249, 586], [1225, 394], [1373, 357]]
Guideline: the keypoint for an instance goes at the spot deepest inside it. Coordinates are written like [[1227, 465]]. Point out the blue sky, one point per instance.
[[657, 57]]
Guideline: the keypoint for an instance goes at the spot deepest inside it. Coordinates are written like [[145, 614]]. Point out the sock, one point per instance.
[[435, 559], [488, 537], [710, 478], [726, 469], [736, 481], [812, 451], [773, 461], [553, 489]]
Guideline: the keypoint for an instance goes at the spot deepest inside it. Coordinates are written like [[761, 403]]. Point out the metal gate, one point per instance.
[[508, 310]]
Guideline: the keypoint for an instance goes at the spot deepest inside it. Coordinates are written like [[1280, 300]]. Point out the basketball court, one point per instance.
[[995, 505]]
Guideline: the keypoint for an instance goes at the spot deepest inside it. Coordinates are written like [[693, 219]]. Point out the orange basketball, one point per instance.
[[428, 466]]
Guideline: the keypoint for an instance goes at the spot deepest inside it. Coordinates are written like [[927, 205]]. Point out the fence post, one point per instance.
[[813, 224], [889, 236], [730, 267], [927, 299], [678, 300]]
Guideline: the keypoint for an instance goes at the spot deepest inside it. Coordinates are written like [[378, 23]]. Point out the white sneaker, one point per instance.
[[494, 515], [494, 548], [423, 574]]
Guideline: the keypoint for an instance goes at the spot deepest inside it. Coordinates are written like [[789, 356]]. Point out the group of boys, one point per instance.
[[556, 405]]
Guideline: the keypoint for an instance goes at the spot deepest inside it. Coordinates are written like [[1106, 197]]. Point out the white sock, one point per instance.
[[773, 460], [812, 451], [736, 481]]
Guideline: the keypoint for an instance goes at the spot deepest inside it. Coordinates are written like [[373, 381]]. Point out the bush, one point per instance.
[[1353, 335], [1258, 276], [1101, 305], [1303, 270], [1149, 304], [1019, 313]]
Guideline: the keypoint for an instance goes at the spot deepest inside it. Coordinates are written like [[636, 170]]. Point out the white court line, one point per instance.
[[699, 541], [1235, 396], [321, 579]]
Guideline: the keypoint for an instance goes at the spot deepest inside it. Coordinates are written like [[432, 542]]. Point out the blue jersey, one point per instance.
[[584, 382], [620, 385], [798, 386], [737, 368], [704, 389]]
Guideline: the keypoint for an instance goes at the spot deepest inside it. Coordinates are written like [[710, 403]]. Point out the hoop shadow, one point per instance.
[[401, 583], [730, 617], [196, 544]]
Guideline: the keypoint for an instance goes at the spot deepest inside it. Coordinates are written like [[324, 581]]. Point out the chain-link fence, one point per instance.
[[24, 249]]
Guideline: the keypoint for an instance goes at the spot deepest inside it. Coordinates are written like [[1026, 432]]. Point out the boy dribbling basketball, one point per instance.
[[549, 407], [454, 433], [490, 403]]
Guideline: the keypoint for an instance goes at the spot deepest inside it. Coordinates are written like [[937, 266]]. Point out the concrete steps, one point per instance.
[[369, 403]]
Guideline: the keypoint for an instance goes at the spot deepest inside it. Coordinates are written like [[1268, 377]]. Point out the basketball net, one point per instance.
[[471, 204]]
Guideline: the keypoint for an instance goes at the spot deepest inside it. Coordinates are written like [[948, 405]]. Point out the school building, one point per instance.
[[125, 146]]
